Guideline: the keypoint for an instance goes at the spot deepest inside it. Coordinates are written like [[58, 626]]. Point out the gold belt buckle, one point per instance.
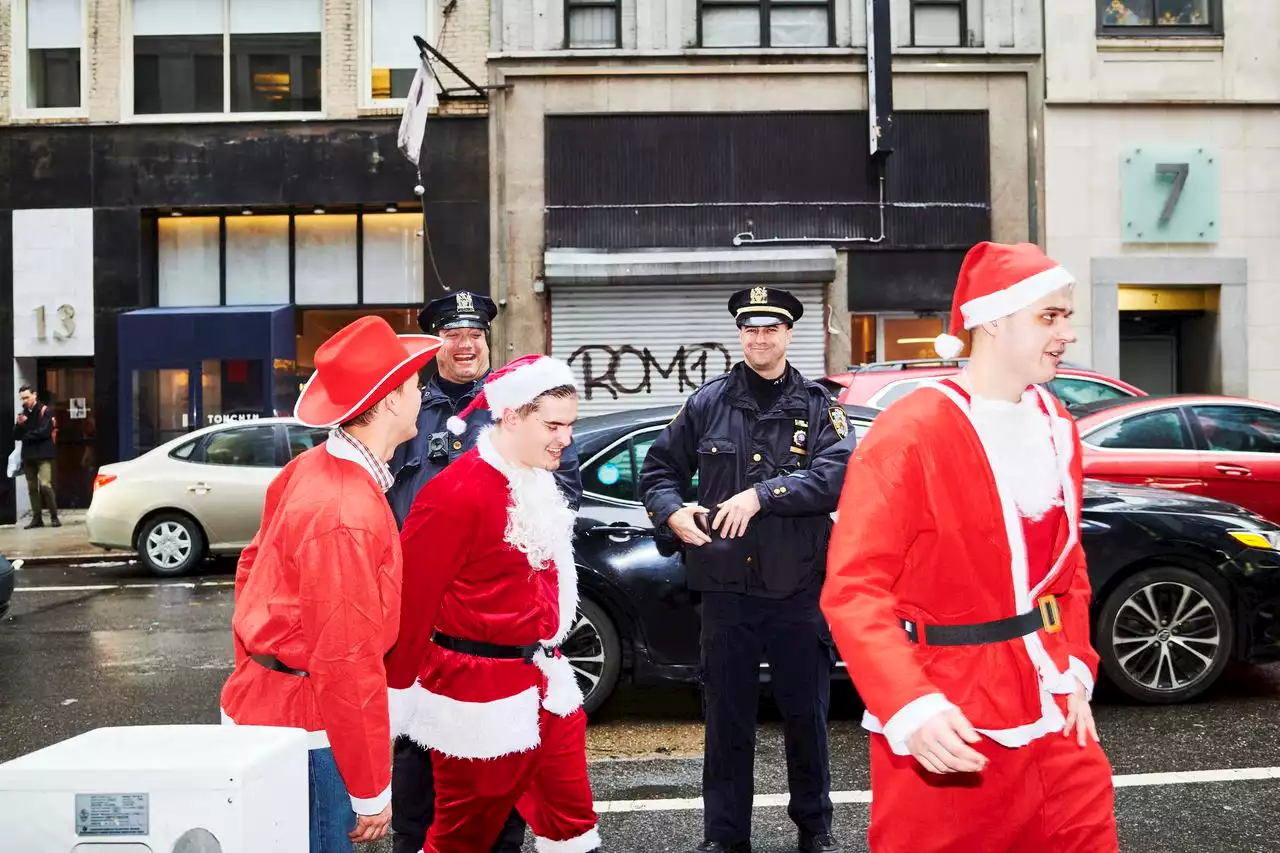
[[1050, 615]]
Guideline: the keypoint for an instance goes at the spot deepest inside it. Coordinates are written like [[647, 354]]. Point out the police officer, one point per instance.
[[770, 450], [462, 321]]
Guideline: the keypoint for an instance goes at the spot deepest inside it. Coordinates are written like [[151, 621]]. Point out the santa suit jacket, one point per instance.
[[463, 578], [924, 535], [319, 588]]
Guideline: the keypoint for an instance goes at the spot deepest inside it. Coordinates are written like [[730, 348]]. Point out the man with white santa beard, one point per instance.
[[958, 594], [490, 590]]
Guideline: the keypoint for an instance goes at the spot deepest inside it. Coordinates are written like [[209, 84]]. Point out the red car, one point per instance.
[[1221, 447], [878, 385]]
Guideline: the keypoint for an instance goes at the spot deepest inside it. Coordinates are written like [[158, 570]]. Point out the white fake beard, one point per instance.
[[1019, 445], [539, 521]]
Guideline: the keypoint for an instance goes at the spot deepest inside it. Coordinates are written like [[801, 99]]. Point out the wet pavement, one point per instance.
[[106, 644]]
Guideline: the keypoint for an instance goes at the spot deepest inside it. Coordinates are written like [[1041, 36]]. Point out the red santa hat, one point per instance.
[[515, 384], [356, 368], [996, 280]]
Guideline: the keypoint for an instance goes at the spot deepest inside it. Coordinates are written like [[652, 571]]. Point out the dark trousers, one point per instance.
[[413, 803], [39, 474], [791, 635]]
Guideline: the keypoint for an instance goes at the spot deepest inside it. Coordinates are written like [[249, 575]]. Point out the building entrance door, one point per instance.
[[65, 385]]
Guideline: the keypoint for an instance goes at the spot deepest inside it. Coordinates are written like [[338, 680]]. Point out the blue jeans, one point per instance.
[[332, 817]]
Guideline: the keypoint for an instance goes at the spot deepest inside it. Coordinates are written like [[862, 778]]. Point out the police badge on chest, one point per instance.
[[800, 438]]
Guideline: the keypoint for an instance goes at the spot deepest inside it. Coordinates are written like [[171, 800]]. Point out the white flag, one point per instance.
[[413, 125]]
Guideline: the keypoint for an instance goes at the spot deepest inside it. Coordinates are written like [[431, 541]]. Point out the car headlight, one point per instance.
[[1265, 539]]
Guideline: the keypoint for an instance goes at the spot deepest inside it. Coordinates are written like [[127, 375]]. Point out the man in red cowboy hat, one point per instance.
[[318, 589], [957, 590], [490, 592]]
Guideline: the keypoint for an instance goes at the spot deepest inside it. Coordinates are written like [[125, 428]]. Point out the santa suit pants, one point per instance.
[[547, 784], [1050, 796]]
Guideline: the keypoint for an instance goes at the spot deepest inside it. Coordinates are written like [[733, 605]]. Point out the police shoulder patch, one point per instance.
[[839, 420]]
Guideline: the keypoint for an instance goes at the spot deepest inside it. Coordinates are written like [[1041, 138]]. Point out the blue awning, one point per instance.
[[168, 337]]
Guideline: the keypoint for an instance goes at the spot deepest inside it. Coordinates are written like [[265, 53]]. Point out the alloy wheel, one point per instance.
[[1167, 636], [585, 650]]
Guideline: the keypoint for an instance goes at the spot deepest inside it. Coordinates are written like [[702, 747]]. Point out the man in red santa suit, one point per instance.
[[490, 591], [318, 589], [957, 590]]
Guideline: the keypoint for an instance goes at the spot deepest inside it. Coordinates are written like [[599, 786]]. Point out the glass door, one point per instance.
[[163, 408], [66, 387]]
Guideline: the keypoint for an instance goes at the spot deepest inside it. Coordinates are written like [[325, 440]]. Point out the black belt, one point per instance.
[[273, 663], [1046, 616], [490, 650]]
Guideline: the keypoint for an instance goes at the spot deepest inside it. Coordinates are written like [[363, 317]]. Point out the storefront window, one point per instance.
[[907, 338], [231, 390], [326, 260], [393, 272], [188, 264], [161, 407], [318, 325], [862, 335], [1165, 17], [257, 260]]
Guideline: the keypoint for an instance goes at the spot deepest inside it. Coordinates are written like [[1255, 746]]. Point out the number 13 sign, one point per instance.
[[1169, 195]]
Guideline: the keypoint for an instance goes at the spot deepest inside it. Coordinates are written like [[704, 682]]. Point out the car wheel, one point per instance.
[[595, 654], [1165, 635], [170, 544]]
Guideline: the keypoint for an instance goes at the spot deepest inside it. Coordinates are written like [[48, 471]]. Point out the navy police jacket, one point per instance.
[[422, 457], [794, 455]]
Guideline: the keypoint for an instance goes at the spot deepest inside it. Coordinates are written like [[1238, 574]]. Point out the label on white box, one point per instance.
[[112, 814]]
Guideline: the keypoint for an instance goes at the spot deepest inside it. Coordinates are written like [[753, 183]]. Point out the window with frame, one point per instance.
[[226, 56], [251, 447], [302, 439], [1239, 429], [1073, 391], [766, 23], [1147, 18], [940, 23], [592, 24], [1162, 430], [53, 34], [391, 55]]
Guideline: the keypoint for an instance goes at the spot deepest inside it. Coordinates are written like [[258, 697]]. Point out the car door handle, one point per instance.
[[1234, 470], [198, 488], [620, 532]]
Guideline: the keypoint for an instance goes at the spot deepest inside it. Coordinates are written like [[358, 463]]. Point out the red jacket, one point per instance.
[[924, 535], [319, 588], [463, 577]]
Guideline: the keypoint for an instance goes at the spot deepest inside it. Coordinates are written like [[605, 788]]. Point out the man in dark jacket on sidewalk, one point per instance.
[[35, 427]]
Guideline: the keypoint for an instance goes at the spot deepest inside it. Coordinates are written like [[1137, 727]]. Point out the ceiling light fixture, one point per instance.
[[318, 210], [246, 212], [391, 208], [175, 213]]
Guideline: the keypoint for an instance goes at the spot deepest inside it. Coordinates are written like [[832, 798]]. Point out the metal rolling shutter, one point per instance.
[[634, 346]]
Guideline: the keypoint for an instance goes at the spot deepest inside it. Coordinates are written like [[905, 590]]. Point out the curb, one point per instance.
[[96, 557]]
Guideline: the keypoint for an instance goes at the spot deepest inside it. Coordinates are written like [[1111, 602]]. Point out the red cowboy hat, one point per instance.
[[357, 367]]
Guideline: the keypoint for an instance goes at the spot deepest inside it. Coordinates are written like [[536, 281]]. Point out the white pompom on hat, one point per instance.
[[996, 280], [515, 384]]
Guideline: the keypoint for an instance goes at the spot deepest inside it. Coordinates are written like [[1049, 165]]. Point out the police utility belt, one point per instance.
[[495, 651], [1046, 616]]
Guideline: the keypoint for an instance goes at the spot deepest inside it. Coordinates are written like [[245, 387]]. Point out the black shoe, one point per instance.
[[720, 847], [34, 523], [55, 523], [824, 843]]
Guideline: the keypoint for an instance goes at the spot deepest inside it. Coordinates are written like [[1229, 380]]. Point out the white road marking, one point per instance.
[[106, 586], [767, 801]]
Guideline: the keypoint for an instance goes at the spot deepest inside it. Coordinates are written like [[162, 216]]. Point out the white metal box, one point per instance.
[[160, 789]]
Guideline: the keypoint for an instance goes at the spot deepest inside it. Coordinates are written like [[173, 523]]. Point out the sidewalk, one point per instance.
[[53, 544]]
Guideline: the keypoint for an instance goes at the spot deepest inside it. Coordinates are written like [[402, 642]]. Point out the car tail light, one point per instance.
[[103, 480]]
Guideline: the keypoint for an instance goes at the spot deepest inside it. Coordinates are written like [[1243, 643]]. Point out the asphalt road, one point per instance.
[[106, 645]]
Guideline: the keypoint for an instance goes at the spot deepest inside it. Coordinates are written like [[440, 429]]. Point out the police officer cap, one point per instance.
[[764, 306], [459, 310]]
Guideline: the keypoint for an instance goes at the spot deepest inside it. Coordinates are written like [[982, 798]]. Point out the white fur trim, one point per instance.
[[468, 729], [584, 843], [948, 346], [400, 708], [1080, 670], [456, 425], [372, 805], [909, 718], [364, 401], [564, 695], [1015, 297], [1051, 720], [315, 740], [525, 384]]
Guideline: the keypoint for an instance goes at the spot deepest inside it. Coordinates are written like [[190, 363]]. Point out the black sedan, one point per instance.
[[1182, 585]]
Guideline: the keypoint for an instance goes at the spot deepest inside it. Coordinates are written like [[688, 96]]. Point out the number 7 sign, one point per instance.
[[1169, 195]]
